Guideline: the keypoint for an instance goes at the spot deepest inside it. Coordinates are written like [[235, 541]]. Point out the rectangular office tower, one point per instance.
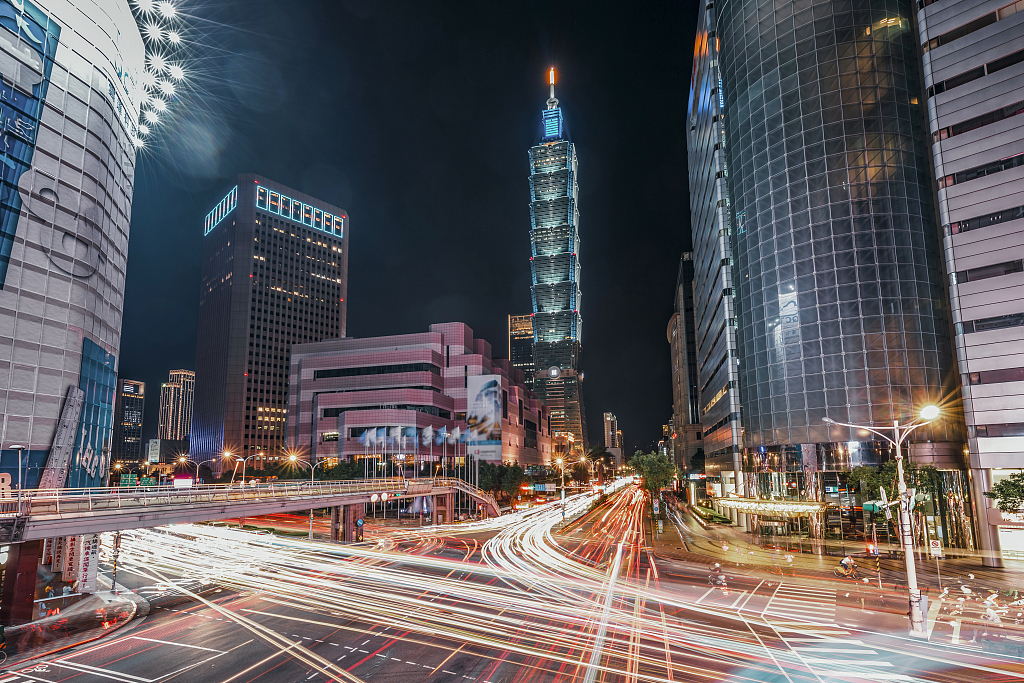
[[687, 435], [177, 395], [275, 264], [974, 72], [520, 345], [714, 315], [555, 268], [128, 410]]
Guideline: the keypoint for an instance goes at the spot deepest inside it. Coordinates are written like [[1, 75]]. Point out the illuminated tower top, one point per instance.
[[553, 233]]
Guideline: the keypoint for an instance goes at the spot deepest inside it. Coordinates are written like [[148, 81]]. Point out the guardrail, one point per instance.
[[32, 502]]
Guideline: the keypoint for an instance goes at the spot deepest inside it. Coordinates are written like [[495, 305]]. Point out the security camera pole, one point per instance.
[[899, 434]]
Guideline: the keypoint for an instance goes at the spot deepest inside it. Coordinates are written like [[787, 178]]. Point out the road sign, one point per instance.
[[885, 504], [129, 480], [149, 481], [657, 509], [935, 548], [359, 522]]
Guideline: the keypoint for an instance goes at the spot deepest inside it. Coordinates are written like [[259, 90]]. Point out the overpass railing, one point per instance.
[[30, 502]]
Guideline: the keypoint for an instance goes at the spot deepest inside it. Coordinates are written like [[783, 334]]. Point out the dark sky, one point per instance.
[[416, 118]]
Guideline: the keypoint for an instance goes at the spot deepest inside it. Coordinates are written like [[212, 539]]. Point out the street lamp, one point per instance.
[[561, 465], [899, 434], [19, 449], [239, 460], [294, 459]]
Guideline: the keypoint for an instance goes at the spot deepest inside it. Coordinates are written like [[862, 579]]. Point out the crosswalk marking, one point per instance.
[[805, 620]]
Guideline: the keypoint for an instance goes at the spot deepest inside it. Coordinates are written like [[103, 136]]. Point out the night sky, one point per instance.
[[416, 118]]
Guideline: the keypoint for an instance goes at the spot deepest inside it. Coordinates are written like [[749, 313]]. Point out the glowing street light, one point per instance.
[[899, 434]]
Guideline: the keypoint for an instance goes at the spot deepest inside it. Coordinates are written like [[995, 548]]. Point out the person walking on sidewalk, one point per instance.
[[990, 617]]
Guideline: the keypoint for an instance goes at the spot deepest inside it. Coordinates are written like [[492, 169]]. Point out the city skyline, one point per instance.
[[385, 158]]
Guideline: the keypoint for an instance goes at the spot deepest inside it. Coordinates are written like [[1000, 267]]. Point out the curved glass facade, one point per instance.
[[838, 273]]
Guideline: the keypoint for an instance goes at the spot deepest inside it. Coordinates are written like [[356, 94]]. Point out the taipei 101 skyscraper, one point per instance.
[[555, 266]]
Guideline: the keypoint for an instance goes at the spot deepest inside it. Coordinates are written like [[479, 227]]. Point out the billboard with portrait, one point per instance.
[[483, 416]]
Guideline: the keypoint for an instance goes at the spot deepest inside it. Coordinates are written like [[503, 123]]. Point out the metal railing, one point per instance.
[[40, 502]]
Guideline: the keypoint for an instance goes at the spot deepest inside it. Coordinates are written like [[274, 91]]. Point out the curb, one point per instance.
[[91, 635]]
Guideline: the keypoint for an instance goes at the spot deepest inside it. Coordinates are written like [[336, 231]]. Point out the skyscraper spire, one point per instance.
[[555, 270]]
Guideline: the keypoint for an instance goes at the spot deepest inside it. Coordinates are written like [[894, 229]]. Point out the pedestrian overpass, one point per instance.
[[47, 513]]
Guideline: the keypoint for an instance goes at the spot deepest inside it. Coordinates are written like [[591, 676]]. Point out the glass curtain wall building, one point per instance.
[[128, 410], [555, 268], [841, 311], [718, 400], [520, 345], [974, 73]]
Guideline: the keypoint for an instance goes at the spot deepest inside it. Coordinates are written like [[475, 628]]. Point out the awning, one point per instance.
[[767, 507]]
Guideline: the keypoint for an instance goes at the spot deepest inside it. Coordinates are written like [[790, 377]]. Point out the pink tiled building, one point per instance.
[[351, 398]]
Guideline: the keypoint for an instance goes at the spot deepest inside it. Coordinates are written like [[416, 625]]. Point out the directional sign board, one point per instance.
[[129, 480], [935, 548]]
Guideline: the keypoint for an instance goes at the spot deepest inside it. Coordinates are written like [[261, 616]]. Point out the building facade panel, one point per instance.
[[714, 317]]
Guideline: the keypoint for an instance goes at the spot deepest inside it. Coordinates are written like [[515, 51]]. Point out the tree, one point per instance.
[[655, 469], [697, 461], [871, 478], [1009, 492], [512, 477], [579, 473]]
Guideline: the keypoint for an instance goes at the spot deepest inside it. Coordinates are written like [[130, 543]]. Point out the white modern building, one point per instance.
[[974, 72], [73, 75]]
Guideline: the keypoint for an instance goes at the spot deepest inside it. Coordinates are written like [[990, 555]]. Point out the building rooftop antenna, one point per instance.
[[552, 102]]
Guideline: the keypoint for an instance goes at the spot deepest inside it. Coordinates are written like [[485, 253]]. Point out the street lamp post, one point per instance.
[[294, 459], [561, 465], [19, 449], [243, 461], [899, 434]]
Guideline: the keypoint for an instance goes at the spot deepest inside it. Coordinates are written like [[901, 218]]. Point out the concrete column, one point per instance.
[[988, 534], [335, 524], [351, 513], [19, 585]]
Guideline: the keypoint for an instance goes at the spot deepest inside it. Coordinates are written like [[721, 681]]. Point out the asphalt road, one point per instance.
[[520, 603]]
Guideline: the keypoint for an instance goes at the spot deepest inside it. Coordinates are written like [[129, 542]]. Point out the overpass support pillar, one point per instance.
[[343, 523], [19, 583], [444, 508]]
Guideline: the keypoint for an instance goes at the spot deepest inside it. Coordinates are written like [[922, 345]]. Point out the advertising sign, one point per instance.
[[483, 415], [28, 44], [88, 563], [153, 454], [72, 549], [89, 466]]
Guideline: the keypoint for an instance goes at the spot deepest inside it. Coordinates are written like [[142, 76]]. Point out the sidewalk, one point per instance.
[[709, 543]]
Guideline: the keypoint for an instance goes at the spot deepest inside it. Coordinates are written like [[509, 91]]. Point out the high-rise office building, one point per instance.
[[974, 73], [714, 315], [126, 445], [687, 438], [611, 431], [838, 279], [275, 264], [555, 267], [176, 398], [520, 345]]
